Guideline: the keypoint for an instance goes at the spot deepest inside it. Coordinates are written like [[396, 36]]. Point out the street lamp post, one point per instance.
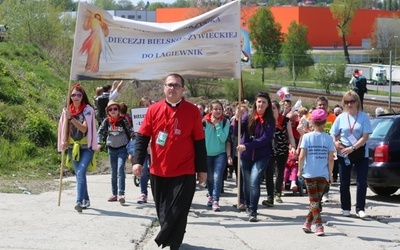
[[395, 51], [390, 82]]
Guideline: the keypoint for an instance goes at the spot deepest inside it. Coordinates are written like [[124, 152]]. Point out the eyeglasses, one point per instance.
[[112, 109], [173, 85], [76, 95], [349, 102]]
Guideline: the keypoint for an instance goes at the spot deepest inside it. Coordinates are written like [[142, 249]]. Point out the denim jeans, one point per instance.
[[80, 168], [361, 168], [252, 172], [117, 158], [215, 174], [145, 175]]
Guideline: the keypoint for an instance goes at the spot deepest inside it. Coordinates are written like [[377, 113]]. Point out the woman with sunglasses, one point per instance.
[[80, 139], [350, 132], [257, 130], [117, 133]]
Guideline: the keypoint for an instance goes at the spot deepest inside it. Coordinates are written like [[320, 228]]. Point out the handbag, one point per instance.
[[357, 154]]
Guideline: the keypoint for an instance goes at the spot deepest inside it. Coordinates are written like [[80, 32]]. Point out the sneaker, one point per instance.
[[215, 206], [319, 231], [210, 201], [121, 199], [278, 198], [346, 213], [268, 202], [307, 227], [293, 186], [142, 199], [362, 214], [85, 204], [113, 198], [325, 198], [78, 207], [242, 207], [253, 216]]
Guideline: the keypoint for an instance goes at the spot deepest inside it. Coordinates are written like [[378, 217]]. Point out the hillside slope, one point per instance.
[[32, 93]]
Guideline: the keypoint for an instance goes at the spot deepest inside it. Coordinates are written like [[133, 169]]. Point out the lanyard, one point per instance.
[[354, 124], [173, 116]]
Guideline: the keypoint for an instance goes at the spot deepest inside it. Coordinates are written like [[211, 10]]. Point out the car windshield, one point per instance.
[[380, 127]]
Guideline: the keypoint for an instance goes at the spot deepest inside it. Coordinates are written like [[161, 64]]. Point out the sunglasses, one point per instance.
[[349, 102], [76, 95], [172, 85], [113, 109]]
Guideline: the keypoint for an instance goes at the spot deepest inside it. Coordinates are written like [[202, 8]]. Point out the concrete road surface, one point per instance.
[[36, 222]]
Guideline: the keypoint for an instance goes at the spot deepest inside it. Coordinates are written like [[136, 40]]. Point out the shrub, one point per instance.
[[40, 129]]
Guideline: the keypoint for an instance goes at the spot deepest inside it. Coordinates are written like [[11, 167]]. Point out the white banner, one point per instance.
[[110, 47], [138, 117]]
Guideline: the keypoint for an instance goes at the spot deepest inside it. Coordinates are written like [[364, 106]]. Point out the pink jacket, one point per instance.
[[91, 133]]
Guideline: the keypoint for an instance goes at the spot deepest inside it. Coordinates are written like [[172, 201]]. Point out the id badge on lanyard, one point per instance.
[[162, 138]]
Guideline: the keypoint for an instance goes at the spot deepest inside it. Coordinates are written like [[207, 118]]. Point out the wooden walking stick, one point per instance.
[[63, 151]]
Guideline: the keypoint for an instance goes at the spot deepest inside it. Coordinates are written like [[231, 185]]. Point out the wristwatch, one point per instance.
[[354, 148]]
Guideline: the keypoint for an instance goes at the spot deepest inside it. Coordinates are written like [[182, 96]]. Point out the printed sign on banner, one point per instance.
[[111, 47], [137, 117]]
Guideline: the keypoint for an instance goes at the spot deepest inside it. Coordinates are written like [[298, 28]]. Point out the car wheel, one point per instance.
[[384, 191]]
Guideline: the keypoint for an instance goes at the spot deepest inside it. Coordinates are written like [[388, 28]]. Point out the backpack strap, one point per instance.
[[126, 130]]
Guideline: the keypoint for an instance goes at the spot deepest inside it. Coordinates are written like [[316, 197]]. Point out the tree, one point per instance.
[[330, 73], [125, 5], [384, 37], [267, 38], [66, 5], [140, 5], [156, 5], [39, 23], [343, 11], [181, 4], [105, 4], [296, 50]]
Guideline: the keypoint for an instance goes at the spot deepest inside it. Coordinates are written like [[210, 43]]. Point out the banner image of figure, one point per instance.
[[245, 45], [95, 42]]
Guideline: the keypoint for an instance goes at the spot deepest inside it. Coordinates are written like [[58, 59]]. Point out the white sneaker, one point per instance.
[[346, 213], [362, 214], [293, 186], [325, 198]]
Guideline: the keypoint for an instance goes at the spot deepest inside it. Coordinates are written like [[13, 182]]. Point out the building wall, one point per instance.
[[322, 31]]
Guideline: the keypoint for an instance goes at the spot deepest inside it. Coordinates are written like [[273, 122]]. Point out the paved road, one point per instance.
[[36, 222]]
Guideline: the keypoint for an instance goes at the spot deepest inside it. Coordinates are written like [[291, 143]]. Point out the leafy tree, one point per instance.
[[65, 5], [343, 11], [193, 86], [105, 4], [38, 22], [267, 38], [140, 5], [156, 5], [125, 5], [296, 50], [385, 33], [330, 73], [182, 4]]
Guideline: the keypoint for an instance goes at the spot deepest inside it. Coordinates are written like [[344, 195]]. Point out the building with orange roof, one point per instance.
[[322, 31]]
